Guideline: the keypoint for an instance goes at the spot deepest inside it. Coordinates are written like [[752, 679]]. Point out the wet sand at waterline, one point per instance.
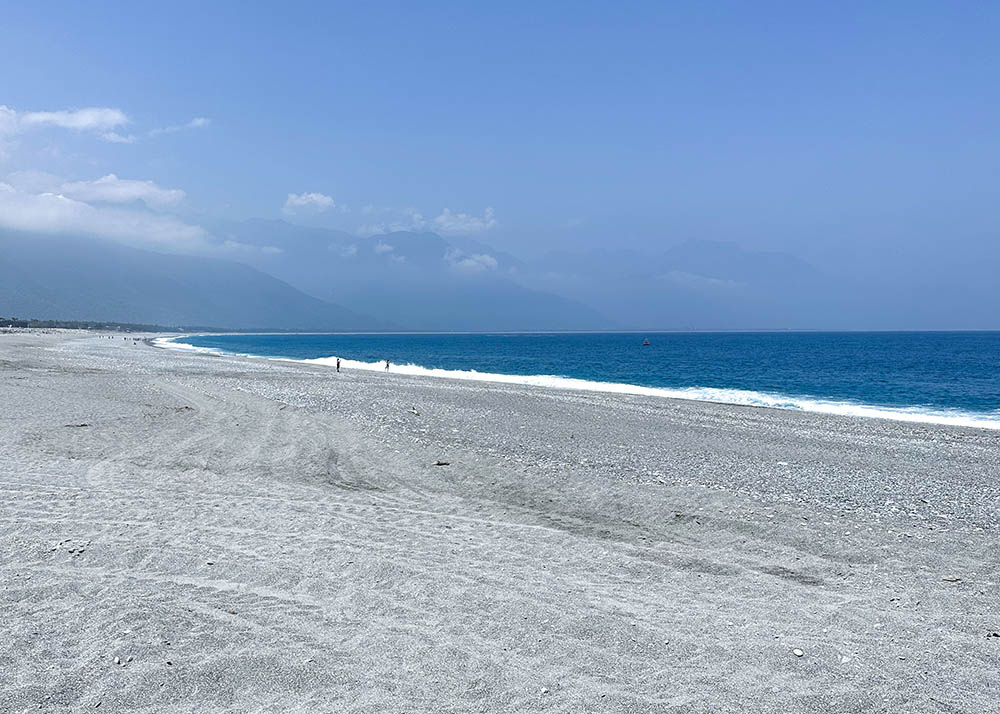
[[190, 533]]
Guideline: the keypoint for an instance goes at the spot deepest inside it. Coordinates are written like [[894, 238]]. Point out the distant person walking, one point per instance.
[[338, 364], [387, 365]]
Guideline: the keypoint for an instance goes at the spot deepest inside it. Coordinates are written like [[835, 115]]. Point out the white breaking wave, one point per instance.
[[739, 397], [168, 343]]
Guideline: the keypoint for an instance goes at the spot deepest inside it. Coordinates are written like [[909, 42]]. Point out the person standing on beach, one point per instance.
[[338, 364], [387, 365]]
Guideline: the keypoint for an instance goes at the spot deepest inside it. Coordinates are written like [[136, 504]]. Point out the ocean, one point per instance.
[[936, 377]]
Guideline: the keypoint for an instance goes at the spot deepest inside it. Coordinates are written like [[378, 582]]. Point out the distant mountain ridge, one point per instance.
[[696, 284], [74, 278], [285, 276], [418, 280]]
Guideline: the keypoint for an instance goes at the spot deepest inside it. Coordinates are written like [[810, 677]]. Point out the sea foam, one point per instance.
[[738, 397]]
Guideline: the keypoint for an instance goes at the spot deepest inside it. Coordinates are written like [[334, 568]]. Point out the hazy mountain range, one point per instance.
[[74, 278], [276, 275], [427, 282]]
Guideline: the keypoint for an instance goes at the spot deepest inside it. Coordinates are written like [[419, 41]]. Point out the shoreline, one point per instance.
[[250, 534], [714, 395]]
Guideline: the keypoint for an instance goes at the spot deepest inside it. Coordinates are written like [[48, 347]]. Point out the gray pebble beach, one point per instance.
[[199, 533]]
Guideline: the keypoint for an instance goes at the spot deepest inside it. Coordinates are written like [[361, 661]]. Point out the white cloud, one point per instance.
[[307, 202], [464, 224], [196, 123], [102, 120], [475, 263], [111, 189], [89, 119], [34, 181], [235, 247], [54, 213], [411, 220], [115, 138], [381, 248], [448, 223], [8, 121], [107, 189]]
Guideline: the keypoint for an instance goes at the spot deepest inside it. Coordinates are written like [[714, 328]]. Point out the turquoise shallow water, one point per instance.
[[925, 375]]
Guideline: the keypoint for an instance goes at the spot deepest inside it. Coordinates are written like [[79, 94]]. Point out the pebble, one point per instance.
[[118, 660], [798, 653]]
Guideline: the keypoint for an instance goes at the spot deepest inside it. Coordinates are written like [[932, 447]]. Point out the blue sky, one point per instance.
[[837, 131]]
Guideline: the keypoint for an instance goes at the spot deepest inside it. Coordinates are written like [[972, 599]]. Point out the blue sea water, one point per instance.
[[948, 377]]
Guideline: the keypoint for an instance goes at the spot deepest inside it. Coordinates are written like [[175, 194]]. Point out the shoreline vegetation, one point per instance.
[[194, 533], [96, 325], [113, 326], [110, 325]]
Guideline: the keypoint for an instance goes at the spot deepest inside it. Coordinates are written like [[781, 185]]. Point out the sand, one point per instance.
[[196, 533]]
